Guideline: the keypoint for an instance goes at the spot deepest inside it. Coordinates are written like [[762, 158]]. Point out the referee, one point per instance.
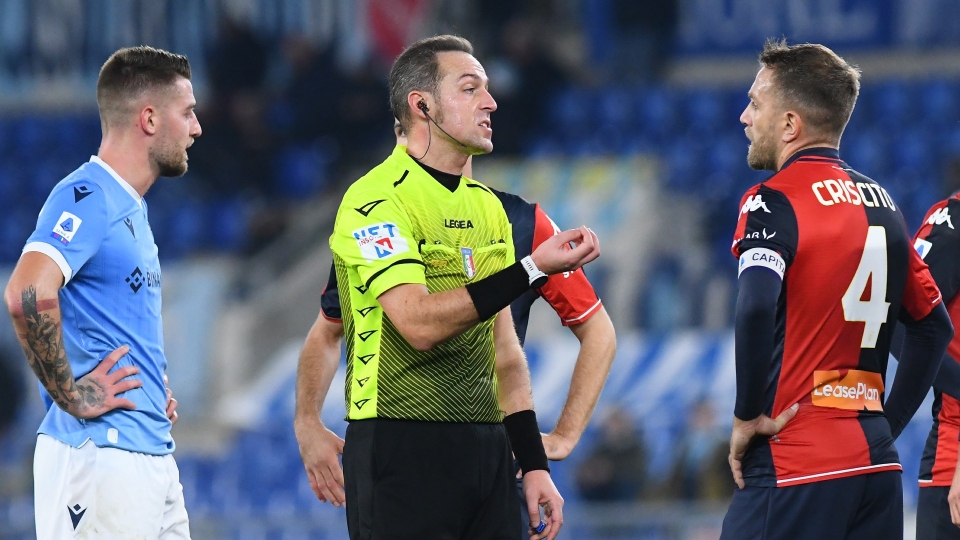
[[437, 389]]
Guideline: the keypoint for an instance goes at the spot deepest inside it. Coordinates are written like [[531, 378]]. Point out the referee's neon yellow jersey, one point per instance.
[[398, 225]]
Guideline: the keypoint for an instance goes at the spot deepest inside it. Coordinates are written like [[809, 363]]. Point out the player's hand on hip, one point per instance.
[[557, 446], [171, 402], [320, 449], [745, 430], [97, 391], [539, 492], [953, 497], [555, 255]]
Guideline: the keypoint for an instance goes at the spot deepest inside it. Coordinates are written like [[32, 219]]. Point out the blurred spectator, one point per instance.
[[304, 109], [12, 389], [523, 78], [238, 59], [363, 109], [643, 31], [701, 472], [615, 469]]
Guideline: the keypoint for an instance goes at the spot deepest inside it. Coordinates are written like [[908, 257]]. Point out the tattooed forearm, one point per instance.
[[43, 345]]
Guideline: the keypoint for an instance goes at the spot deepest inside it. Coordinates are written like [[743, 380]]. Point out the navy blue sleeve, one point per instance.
[[330, 298], [924, 344], [948, 377], [759, 291]]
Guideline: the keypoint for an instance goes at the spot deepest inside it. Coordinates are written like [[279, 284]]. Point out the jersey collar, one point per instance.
[[113, 174], [816, 152]]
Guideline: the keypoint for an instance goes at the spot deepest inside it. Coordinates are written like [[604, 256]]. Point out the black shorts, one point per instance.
[[933, 515], [416, 480], [864, 507]]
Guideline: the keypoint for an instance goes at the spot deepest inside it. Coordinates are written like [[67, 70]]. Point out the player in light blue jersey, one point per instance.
[[85, 301]]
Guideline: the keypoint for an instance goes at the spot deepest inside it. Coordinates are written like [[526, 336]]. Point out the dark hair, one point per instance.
[[417, 69], [815, 80], [130, 72]]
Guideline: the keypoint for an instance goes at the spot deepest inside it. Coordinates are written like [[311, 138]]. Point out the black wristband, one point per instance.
[[495, 292], [526, 442]]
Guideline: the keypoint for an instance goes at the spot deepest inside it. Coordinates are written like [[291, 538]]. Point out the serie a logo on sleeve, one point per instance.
[[380, 241], [66, 227]]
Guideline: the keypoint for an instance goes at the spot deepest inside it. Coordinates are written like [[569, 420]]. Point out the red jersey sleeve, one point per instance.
[[920, 294], [569, 293]]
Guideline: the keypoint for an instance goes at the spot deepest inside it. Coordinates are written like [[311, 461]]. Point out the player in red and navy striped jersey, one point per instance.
[[938, 507], [826, 270]]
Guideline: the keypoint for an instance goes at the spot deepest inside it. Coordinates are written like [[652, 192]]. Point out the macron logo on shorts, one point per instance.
[[76, 514], [380, 241], [66, 227]]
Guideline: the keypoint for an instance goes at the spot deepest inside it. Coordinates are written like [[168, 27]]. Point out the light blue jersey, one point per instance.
[[94, 226]]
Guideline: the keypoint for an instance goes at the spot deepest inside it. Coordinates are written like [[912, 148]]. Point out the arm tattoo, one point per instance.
[[43, 346]]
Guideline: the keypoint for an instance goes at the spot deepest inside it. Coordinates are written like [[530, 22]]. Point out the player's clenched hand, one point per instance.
[[320, 449], [745, 430], [539, 491], [96, 392], [953, 498], [555, 255], [171, 402]]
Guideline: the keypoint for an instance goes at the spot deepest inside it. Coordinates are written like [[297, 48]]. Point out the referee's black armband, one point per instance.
[[525, 440], [495, 292]]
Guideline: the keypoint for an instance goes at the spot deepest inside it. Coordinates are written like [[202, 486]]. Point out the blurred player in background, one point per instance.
[[85, 301], [569, 294], [938, 506], [826, 269], [437, 388]]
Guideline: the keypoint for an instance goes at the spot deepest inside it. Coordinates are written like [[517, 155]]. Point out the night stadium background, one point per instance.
[[618, 114]]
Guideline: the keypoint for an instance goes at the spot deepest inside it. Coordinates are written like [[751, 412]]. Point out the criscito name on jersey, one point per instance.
[[458, 223], [831, 192]]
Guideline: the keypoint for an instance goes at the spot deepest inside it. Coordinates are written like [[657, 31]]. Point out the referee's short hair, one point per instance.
[[816, 81], [131, 72], [417, 69]]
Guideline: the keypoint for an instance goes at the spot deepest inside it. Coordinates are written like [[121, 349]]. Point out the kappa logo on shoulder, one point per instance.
[[753, 203], [940, 217]]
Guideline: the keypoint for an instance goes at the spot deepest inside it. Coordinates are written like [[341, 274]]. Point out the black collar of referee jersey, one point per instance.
[[447, 180], [819, 151]]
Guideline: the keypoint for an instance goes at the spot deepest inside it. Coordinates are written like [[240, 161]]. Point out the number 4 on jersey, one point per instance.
[[874, 311]]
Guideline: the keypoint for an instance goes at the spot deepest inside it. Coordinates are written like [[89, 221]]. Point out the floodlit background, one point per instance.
[[618, 114]]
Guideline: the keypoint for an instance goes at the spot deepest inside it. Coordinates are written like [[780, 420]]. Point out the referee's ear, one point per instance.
[[420, 103]]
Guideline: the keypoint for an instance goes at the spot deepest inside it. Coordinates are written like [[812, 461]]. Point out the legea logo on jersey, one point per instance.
[[940, 217], [468, 265], [754, 202], [855, 390], [380, 241], [66, 227]]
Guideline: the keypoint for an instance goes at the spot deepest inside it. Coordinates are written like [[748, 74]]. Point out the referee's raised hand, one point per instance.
[[540, 492], [556, 254]]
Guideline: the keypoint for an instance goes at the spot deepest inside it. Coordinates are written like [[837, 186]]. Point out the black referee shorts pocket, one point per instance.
[[390, 444]]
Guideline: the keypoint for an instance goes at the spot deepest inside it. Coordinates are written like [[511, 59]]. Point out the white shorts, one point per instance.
[[106, 493]]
